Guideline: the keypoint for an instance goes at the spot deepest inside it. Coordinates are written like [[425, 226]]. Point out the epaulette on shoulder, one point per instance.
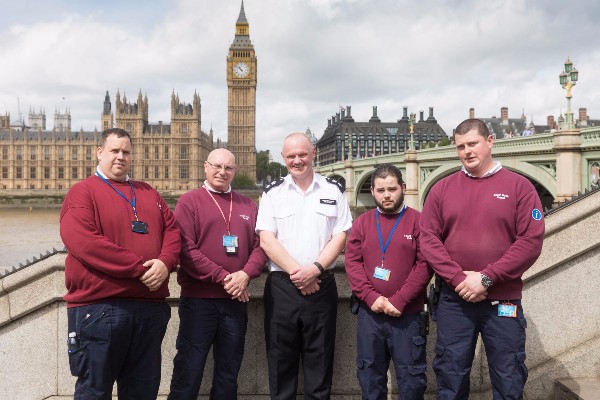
[[273, 184], [336, 183]]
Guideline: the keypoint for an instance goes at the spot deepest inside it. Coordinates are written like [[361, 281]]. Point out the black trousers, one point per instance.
[[298, 326]]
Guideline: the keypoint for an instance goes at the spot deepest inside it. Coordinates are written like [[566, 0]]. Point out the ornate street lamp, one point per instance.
[[568, 78], [411, 125]]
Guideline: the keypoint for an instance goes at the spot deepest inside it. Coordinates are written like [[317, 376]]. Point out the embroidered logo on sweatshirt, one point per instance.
[[536, 214], [501, 196], [409, 237], [246, 218]]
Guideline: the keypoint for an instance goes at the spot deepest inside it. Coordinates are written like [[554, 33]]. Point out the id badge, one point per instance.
[[139, 227], [382, 273], [507, 310], [230, 243]]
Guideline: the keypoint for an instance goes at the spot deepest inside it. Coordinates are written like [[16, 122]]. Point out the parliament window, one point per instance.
[[4, 172], [74, 153], [46, 172], [166, 172], [146, 152], [19, 152], [146, 172], [73, 172], [61, 172], [166, 152], [5, 152], [156, 172], [32, 153], [47, 153], [88, 171], [32, 172], [183, 172], [88, 153], [19, 172], [61, 153], [183, 152]]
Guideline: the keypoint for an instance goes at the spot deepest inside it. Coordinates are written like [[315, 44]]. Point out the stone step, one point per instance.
[[578, 389]]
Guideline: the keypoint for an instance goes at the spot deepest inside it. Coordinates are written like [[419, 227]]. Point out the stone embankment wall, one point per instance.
[[563, 314]]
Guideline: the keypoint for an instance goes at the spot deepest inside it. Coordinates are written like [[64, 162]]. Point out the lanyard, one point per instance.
[[131, 203], [387, 243], [227, 222]]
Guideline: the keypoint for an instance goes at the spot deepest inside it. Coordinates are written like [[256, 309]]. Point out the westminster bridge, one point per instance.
[[560, 164]]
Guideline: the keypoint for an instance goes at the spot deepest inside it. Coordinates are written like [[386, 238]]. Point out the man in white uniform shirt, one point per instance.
[[302, 221]]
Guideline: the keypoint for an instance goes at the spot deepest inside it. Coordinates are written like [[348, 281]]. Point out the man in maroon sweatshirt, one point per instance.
[[122, 243], [388, 274], [220, 253], [481, 229]]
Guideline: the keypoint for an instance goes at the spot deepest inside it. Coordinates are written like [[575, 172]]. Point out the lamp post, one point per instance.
[[411, 125], [568, 79]]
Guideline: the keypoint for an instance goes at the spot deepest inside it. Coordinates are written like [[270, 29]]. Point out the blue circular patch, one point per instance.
[[536, 214]]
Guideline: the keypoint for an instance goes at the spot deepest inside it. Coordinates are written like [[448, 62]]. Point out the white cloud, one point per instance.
[[312, 57]]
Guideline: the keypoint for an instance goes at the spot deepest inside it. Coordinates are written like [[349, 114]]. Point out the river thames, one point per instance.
[[25, 234]]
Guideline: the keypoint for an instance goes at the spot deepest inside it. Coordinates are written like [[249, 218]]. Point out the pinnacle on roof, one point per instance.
[[242, 18]]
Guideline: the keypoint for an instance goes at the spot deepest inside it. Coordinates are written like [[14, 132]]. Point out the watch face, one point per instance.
[[241, 70]]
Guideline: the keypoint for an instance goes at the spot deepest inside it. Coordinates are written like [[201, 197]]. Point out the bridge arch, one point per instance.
[[541, 179]]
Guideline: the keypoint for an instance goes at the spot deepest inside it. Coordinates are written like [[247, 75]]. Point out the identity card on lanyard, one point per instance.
[[230, 242], [380, 271], [137, 226]]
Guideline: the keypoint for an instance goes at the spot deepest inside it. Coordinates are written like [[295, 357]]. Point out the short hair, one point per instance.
[[113, 131], [384, 170], [470, 124]]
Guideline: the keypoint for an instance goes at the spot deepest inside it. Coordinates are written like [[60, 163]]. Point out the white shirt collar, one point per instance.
[[215, 190], [497, 167], [99, 172]]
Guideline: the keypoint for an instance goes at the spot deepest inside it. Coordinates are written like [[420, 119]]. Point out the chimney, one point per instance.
[[471, 113], [405, 113], [374, 111], [348, 111], [504, 115], [431, 118], [550, 122], [374, 118], [583, 117], [328, 122], [421, 112], [343, 111]]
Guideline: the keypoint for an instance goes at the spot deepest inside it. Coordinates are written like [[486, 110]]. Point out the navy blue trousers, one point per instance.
[[205, 323], [381, 338], [300, 326], [458, 326], [118, 340]]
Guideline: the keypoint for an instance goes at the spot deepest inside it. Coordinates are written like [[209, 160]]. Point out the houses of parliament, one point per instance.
[[168, 156]]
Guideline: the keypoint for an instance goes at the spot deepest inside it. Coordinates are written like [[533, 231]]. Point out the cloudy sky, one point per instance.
[[313, 57]]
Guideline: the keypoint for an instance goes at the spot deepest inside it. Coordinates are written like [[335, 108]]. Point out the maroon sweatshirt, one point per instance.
[[204, 263], [409, 273], [105, 257], [493, 225]]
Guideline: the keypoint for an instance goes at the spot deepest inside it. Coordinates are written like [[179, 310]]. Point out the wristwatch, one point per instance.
[[486, 281], [318, 264]]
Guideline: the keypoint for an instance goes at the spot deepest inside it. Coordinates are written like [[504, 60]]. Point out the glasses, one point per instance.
[[218, 167]]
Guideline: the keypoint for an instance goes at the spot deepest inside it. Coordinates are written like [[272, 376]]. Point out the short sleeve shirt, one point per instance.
[[303, 222]]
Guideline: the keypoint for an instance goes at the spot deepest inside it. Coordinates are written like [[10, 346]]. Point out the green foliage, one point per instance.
[[242, 182], [445, 141], [262, 165]]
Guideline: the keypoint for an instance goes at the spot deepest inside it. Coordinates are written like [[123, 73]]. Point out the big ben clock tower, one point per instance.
[[241, 85]]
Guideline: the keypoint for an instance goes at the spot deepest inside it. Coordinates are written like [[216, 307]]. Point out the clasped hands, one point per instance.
[[236, 285], [306, 279], [383, 305], [471, 289]]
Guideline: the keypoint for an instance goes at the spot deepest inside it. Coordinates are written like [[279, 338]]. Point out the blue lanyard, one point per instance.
[[131, 203], [387, 243]]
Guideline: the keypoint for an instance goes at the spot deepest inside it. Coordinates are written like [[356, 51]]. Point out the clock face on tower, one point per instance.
[[241, 70]]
